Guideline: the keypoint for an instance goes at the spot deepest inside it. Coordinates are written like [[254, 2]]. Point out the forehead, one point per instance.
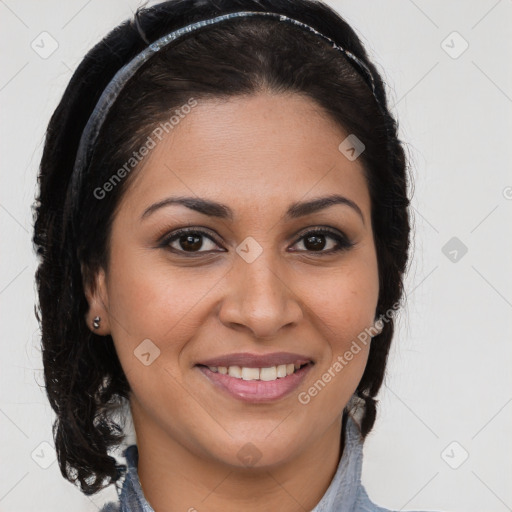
[[251, 151]]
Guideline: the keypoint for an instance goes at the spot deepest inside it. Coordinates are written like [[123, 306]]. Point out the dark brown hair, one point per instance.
[[85, 382]]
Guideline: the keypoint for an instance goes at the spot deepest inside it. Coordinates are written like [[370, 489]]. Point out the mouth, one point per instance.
[[266, 374], [256, 378]]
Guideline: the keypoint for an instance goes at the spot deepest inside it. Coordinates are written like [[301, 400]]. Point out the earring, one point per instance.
[[96, 322]]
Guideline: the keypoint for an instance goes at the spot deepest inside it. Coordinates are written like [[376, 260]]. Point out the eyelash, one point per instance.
[[343, 242]]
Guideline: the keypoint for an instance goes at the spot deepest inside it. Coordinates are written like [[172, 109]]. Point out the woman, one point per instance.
[[223, 230]]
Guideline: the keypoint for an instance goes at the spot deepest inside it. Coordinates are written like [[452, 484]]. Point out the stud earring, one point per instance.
[[96, 322]]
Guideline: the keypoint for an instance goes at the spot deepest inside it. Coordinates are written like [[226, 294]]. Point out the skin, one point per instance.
[[256, 154]]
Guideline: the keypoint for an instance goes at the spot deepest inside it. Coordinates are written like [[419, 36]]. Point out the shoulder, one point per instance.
[[110, 507], [364, 504], [130, 455]]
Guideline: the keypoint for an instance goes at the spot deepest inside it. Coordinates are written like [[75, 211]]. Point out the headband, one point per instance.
[[114, 87]]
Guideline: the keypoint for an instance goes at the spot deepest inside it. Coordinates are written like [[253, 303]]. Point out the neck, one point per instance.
[[174, 478]]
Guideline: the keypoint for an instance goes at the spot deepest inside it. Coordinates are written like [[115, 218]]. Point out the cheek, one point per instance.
[[149, 299], [343, 307], [343, 302]]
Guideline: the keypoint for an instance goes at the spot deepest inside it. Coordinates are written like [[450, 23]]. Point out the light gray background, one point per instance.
[[449, 374]]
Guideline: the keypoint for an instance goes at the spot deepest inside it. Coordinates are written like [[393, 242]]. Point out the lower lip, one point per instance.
[[256, 390]]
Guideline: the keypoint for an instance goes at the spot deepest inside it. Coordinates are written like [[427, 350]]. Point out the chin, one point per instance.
[[258, 449]]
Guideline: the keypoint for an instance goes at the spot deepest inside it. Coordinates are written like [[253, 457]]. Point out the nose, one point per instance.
[[260, 299]]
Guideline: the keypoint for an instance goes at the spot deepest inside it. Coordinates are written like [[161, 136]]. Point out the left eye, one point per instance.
[[315, 241]]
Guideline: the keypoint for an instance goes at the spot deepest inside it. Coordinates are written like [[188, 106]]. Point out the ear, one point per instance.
[[96, 293]]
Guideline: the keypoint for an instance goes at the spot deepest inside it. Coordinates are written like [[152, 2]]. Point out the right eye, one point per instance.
[[189, 241]]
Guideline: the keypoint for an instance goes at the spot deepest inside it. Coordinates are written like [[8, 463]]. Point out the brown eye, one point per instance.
[[318, 241], [190, 241], [194, 241], [314, 242]]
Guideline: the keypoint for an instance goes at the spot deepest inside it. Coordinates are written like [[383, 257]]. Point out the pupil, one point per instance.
[[315, 242], [194, 242]]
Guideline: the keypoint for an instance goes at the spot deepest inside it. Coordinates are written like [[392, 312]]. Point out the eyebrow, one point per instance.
[[222, 211]]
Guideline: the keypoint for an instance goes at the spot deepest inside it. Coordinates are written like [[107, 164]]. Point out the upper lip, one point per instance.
[[249, 360]]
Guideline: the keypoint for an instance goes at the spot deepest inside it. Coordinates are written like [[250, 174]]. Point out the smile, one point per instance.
[[264, 374], [254, 378]]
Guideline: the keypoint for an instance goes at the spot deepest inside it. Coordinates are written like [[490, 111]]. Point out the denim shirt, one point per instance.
[[344, 494]]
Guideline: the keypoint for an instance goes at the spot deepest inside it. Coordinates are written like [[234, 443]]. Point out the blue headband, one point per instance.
[[113, 89]]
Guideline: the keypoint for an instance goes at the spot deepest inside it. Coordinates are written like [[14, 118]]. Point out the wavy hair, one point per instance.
[[84, 380]]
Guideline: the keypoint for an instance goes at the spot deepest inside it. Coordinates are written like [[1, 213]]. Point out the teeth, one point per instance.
[[264, 374], [281, 371], [235, 371], [250, 373], [268, 373]]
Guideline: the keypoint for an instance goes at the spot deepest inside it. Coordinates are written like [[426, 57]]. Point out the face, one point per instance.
[[250, 285]]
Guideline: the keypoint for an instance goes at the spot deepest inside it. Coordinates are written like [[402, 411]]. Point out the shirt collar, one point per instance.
[[341, 495]]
